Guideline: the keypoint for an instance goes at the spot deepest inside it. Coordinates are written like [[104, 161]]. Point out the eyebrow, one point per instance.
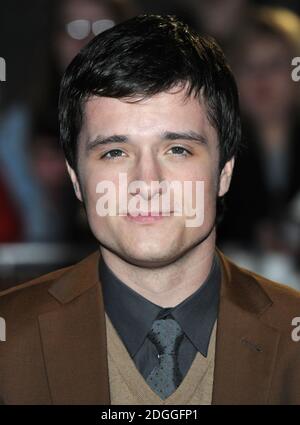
[[190, 135], [101, 140], [166, 135]]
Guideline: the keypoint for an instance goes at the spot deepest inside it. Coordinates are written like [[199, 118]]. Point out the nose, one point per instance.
[[147, 176]]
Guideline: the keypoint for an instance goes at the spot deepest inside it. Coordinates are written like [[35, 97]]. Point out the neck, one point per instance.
[[166, 286]]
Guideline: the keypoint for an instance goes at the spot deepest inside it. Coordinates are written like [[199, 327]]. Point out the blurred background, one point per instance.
[[43, 226]]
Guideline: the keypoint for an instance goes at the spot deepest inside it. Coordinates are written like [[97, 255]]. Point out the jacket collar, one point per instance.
[[246, 344], [247, 294], [74, 337], [242, 289], [77, 279]]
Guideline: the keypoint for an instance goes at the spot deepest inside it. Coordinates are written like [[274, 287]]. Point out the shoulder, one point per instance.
[[49, 291], [275, 290], [283, 304], [280, 293], [31, 296]]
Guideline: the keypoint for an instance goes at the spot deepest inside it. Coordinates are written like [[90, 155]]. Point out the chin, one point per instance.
[[150, 262], [153, 255]]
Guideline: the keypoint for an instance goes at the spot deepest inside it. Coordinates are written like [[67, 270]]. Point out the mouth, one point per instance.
[[149, 217]]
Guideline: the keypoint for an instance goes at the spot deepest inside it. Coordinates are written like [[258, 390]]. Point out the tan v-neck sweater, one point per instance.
[[128, 386]]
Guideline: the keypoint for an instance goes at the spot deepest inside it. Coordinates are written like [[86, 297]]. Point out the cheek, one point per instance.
[[204, 184], [90, 187]]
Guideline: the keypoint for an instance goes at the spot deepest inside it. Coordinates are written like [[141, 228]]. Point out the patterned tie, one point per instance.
[[167, 335]]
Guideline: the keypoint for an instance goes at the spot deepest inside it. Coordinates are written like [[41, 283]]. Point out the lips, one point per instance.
[[149, 217], [151, 214]]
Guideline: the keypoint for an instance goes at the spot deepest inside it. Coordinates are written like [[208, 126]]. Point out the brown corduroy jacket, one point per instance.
[[55, 350]]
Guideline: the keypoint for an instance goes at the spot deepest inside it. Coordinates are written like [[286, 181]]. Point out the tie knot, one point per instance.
[[166, 334]]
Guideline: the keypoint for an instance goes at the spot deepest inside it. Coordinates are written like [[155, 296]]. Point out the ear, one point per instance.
[[225, 177], [75, 182]]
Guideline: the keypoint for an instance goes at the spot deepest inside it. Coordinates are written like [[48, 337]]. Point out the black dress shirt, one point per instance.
[[132, 316]]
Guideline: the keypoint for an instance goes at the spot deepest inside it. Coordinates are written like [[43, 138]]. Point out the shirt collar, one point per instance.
[[197, 314], [132, 314]]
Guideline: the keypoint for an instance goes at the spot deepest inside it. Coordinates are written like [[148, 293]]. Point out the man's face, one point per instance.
[[264, 77], [162, 138]]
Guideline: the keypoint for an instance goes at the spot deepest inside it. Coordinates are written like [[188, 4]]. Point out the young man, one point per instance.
[[158, 315]]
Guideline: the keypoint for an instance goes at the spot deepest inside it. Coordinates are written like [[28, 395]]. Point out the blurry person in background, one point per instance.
[[10, 226], [18, 180], [222, 19], [74, 23], [266, 178], [32, 166], [78, 21]]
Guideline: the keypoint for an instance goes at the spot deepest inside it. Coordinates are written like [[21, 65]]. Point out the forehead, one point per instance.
[[164, 111]]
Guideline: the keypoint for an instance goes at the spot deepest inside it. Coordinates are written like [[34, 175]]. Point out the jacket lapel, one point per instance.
[[246, 345], [74, 338]]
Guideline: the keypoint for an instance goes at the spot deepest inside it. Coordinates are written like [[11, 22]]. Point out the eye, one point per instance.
[[180, 150], [114, 153]]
